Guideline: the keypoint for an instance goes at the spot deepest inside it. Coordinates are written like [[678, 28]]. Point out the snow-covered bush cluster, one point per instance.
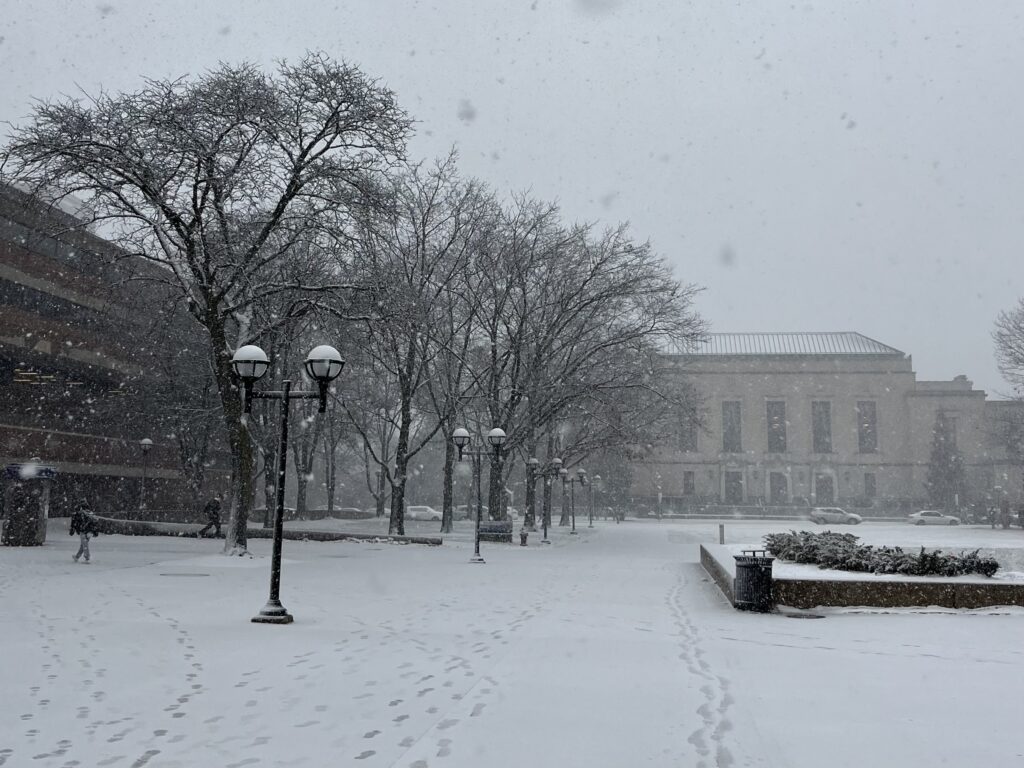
[[841, 551]]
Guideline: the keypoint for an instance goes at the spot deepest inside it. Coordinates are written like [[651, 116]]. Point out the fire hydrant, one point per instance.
[[522, 537]]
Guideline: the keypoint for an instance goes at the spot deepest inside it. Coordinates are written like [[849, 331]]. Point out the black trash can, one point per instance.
[[753, 584], [26, 503]]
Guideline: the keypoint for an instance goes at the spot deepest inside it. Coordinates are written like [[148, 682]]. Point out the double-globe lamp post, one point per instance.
[[550, 471], [496, 437], [582, 480], [323, 365]]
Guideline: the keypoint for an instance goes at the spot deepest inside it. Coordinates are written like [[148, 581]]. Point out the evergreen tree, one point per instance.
[[945, 483]]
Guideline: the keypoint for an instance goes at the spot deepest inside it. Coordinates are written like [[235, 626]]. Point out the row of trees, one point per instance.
[[280, 209]]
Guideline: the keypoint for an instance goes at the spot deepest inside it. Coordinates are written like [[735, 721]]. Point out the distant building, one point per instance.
[[823, 419], [73, 376]]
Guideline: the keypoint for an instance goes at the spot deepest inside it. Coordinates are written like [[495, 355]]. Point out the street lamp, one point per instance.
[[581, 478], [145, 444], [548, 472], [595, 481], [323, 365], [496, 437]]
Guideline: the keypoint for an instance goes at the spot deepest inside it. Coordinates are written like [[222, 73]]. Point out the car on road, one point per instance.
[[421, 512], [933, 517], [823, 515]]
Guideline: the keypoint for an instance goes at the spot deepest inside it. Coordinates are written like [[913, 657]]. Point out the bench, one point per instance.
[[496, 530]]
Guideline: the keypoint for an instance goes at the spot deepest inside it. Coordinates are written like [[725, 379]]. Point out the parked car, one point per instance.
[[932, 517], [822, 515], [353, 513], [464, 512], [421, 512]]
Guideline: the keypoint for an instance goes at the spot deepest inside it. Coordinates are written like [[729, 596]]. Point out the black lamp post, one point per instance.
[[496, 437], [323, 365], [581, 478], [145, 444], [548, 473]]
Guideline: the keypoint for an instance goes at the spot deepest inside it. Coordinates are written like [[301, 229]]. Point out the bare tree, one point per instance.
[[216, 179], [1008, 336], [415, 252], [568, 318]]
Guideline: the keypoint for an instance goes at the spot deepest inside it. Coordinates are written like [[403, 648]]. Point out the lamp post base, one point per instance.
[[545, 541], [273, 614], [477, 559], [574, 532]]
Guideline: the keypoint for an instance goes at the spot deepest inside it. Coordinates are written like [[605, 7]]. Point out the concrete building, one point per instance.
[[822, 419], [74, 376]]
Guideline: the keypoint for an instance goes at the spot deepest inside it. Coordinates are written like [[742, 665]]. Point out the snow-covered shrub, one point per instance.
[[840, 551]]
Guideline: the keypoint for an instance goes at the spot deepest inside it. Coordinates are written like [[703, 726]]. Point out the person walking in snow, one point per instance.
[[83, 522], [212, 511]]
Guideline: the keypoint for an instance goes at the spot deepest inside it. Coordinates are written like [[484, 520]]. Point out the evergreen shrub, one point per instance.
[[841, 551]]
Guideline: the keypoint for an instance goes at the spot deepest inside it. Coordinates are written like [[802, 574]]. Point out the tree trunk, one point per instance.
[[396, 525], [563, 519], [301, 481], [331, 470], [447, 513], [240, 442], [496, 488]]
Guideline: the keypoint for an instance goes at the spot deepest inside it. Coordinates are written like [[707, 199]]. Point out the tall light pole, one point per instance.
[[581, 478], [548, 472], [323, 365], [145, 444], [496, 437]]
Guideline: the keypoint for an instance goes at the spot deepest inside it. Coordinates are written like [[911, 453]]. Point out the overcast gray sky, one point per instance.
[[816, 166]]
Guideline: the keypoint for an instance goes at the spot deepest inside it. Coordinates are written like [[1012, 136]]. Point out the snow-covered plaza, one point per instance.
[[610, 648]]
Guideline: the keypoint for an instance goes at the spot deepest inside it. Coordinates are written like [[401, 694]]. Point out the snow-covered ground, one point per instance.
[[610, 648]]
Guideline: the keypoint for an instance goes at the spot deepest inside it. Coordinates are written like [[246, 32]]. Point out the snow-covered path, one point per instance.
[[606, 649]]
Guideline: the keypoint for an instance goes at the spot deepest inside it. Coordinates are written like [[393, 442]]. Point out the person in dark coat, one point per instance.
[[83, 523], [212, 511]]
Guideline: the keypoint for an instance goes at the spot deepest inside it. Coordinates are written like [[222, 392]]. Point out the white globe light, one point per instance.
[[250, 362], [324, 363]]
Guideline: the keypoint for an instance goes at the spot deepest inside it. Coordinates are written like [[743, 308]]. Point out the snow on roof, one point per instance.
[[828, 344]]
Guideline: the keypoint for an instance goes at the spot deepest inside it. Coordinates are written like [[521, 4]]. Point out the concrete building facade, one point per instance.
[[74, 377], [823, 419]]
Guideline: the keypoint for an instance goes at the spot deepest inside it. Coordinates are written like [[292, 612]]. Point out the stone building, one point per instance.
[[822, 419], [76, 373]]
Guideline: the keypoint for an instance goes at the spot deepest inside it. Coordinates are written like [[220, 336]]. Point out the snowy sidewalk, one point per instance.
[[605, 649]]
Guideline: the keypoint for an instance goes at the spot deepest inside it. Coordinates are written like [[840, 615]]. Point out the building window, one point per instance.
[[867, 426], [778, 488], [688, 433], [689, 486], [734, 487], [775, 411], [869, 485], [732, 435], [824, 490], [821, 426]]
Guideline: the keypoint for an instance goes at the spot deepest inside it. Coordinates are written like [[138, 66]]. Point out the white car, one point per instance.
[[822, 515], [420, 512], [932, 517]]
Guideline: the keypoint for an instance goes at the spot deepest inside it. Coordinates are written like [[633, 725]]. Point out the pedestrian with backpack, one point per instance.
[[83, 522], [212, 511]]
